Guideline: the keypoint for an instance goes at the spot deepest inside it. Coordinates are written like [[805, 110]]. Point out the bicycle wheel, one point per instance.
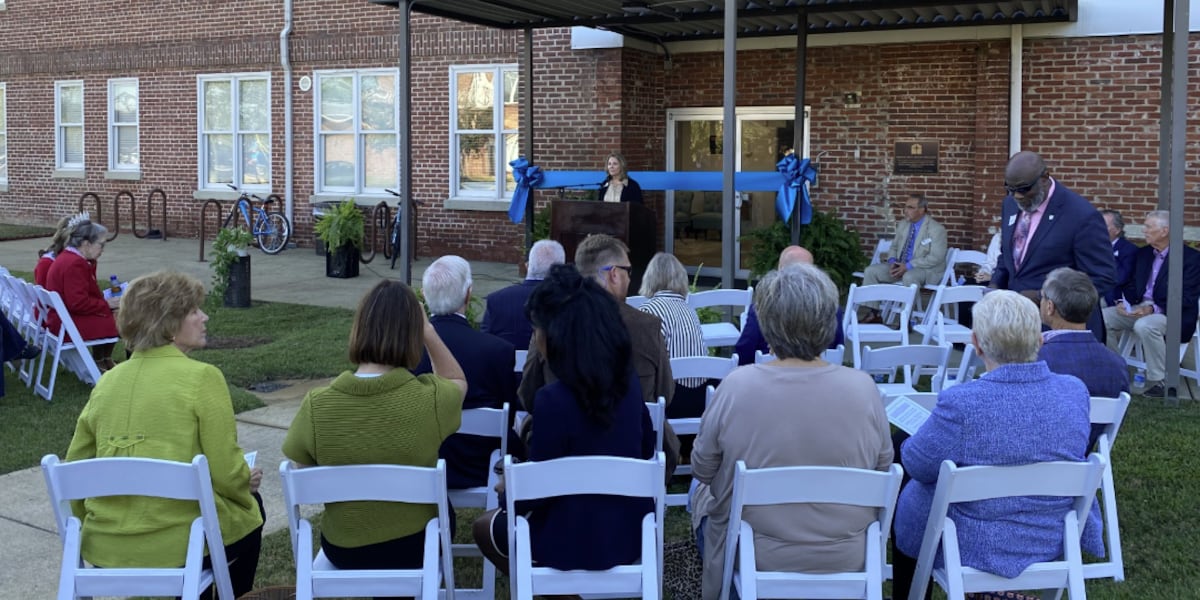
[[272, 233]]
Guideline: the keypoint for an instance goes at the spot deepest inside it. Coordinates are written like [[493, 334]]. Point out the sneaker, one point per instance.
[[1155, 391], [30, 351]]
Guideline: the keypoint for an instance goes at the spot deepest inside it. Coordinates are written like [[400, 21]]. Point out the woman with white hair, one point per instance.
[[1017, 413], [665, 285]]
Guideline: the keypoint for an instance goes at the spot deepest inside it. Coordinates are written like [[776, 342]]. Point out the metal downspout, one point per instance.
[[286, 61], [1016, 53]]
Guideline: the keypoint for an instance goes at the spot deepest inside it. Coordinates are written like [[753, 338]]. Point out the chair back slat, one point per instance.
[[705, 367], [378, 483]]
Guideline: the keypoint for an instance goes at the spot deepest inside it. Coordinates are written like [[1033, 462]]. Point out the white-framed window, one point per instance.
[[3, 133], [357, 125], [483, 130], [235, 131], [68, 125], [123, 152]]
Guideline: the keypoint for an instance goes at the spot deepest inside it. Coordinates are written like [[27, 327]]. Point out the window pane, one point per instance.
[[256, 159], [220, 159], [512, 149], [3, 111], [217, 109], [339, 161], [381, 161], [477, 162], [510, 100], [475, 98], [253, 105], [127, 146], [3, 156], [337, 104], [71, 104], [125, 102], [378, 102], [73, 145]]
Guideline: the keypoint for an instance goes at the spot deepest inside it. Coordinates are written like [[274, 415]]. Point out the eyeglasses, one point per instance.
[[628, 269]]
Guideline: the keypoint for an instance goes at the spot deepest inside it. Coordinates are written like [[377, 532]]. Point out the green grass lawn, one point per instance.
[[9, 231]]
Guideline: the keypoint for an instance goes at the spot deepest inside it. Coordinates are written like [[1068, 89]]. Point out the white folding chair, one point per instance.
[[940, 324], [724, 333], [67, 347], [519, 362], [1109, 412], [825, 485], [29, 319], [636, 301], [911, 361], [946, 279], [975, 257], [1077, 480], [318, 578], [881, 247], [658, 416], [831, 355], [489, 423], [703, 367], [902, 299], [600, 475], [970, 366], [102, 477]]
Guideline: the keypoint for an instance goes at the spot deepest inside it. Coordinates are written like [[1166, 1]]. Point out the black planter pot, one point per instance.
[[237, 293], [342, 263]]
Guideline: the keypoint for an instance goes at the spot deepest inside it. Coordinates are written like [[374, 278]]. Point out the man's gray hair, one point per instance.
[[1117, 220], [445, 284], [922, 201], [797, 311], [597, 251], [1008, 327], [664, 272], [1072, 292], [543, 255], [1161, 216]]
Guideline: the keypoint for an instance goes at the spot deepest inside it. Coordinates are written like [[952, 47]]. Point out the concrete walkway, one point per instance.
[[30, 553]]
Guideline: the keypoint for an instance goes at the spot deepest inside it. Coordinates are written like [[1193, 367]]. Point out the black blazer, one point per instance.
[[1123, 252], [631, 193], [488, 364], [1144, 264], [504, 314]]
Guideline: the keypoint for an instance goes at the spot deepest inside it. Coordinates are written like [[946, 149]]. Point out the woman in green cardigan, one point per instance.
[[381, 413], [162, 404]]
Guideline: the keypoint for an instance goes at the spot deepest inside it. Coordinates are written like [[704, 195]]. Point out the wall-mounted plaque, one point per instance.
[[916, 158]]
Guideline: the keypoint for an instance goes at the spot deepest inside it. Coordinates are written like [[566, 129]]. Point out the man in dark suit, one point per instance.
[[487, 361], [1143, 306], [751, 339], [1122, 251], [504, 315], [1044, 226]]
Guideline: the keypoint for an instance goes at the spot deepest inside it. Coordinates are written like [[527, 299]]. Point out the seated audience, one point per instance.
[[381, 413], [73, 276], [665, 285], [1017, 413], [504, 315], [594, 407], [797, 410], [984, 274], [1124, 253], [162, 404], [486, 360], [46, 257], [1141, 308], [918, 254], [1069, 348], [14, 346], [752, 339]]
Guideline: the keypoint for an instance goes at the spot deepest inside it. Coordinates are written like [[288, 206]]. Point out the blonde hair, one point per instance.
[[154, 307]]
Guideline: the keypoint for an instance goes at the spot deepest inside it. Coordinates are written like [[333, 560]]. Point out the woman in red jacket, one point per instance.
[[73, 276]]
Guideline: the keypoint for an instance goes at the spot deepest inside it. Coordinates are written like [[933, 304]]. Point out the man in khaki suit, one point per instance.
[[918, 253]]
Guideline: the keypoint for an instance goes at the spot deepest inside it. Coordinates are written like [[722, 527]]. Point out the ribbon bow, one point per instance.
[[795, 174], [527, 177]]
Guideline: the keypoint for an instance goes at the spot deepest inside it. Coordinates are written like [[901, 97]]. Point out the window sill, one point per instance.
[[362, 200], [123, 175], [68, 174], [480, 205], [214, 195]]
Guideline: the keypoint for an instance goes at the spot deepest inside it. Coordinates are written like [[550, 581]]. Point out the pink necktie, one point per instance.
[[1018, 240]]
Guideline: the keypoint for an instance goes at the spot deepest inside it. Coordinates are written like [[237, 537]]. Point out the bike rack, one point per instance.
[[203, 212], [99, 213], [376, 218], [155, 193], [412, 237]]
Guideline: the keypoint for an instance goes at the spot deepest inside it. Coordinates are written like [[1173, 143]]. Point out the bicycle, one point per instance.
[[270, 229], [396, 223]]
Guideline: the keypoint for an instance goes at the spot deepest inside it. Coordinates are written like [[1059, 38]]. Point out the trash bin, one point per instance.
[[319, 209]]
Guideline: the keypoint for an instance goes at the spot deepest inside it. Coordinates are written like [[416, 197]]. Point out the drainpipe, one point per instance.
[[1016, 52], [285, 60]]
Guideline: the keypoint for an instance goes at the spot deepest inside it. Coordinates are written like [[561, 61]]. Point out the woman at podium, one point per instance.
[[618, 186]]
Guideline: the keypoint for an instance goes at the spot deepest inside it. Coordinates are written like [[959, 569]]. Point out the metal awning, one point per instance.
[[664, 21]]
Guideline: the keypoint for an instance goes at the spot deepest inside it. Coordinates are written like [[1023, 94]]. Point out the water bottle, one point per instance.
[[960, 281], [1139, 381], [114, 285]]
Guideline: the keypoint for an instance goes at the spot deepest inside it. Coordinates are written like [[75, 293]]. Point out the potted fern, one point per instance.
[[341, 230], [231, 267]]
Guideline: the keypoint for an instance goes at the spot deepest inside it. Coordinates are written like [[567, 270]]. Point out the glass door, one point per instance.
[[694, 142]]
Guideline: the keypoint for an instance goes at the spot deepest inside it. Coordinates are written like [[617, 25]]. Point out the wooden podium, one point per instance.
[[573, 220]]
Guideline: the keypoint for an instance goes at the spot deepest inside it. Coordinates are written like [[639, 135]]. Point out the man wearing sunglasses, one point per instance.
[[1044, 226]]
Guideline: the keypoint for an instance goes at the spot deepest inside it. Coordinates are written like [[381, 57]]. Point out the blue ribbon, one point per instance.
[[795, 174], [527, 177]]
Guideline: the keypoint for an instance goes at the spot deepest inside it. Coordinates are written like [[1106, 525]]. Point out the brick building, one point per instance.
[[137, 95]]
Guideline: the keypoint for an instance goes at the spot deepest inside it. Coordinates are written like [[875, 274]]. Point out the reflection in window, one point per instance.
[[3, 134], [358, 137], [68, 125], [235, 130], [484, 137], [123, 151]]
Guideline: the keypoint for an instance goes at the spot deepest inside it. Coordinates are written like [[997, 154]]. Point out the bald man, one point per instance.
[[1044, 226], [751, 338]]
